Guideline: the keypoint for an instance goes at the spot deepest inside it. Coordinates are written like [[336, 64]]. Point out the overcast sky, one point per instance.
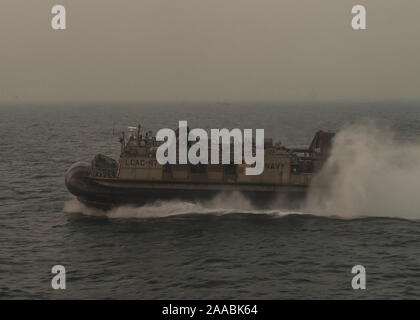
[[126, 50]]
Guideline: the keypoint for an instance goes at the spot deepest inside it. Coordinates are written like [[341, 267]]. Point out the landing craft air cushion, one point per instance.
[[138, 178]]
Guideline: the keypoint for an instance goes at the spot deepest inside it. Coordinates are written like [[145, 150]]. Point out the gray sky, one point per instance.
[[126, 50]]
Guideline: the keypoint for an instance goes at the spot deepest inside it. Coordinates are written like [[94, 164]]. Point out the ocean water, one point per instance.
[[224, 248]]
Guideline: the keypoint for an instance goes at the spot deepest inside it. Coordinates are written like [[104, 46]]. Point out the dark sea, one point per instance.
[[223, 249]]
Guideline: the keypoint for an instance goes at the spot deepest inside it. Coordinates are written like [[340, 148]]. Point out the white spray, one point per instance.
[[369, 173], [223, 203]]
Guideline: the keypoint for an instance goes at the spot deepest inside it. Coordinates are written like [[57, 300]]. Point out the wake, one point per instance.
[[222, 204]]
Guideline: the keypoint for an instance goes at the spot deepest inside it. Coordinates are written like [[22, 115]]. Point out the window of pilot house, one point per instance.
[[198, 168]]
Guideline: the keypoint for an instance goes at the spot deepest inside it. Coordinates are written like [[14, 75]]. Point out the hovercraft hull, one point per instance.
[[108, 193]]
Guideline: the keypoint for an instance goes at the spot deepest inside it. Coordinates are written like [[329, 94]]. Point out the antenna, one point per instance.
[[138, 131], [122, 141]]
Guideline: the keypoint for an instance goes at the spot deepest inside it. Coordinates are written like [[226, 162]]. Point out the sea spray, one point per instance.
[[369, 173], [222, 204]]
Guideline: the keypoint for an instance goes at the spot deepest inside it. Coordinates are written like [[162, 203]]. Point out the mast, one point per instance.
[[122, 141], [138, 132]]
